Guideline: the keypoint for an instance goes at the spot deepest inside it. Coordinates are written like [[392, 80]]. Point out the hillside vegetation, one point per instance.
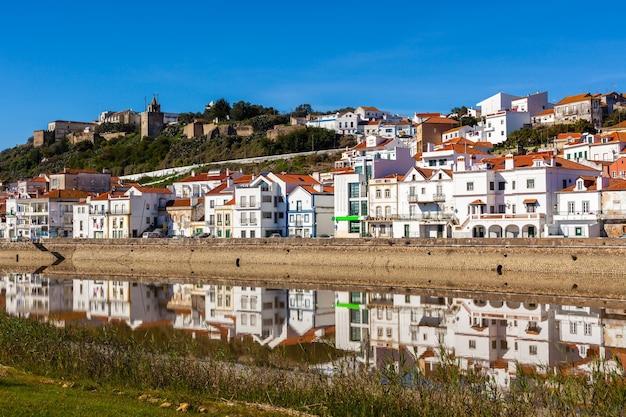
[[132, 154]]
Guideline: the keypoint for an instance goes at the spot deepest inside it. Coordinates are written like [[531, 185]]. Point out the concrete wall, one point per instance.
[[565, 267]]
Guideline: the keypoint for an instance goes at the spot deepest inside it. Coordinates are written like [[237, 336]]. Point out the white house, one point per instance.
[[578, 208], [311, 209], [511, 196], [425, 204]]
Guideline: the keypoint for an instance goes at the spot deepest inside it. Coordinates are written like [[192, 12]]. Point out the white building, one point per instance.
[[425, 204], [511, 196], [578, 208], [311, 211]]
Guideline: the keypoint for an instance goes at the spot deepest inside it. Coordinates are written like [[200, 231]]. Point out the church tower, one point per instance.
[[152, 120]]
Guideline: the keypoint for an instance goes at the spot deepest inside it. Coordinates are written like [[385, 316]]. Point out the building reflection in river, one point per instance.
[[487, 335]]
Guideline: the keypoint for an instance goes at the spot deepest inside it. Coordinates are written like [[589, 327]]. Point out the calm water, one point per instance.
[[485, 331]]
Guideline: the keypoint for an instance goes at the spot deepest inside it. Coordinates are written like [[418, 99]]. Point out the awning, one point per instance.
[[478, 203], [530, 201]]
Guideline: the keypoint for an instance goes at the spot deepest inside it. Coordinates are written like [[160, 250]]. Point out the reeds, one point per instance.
[[109, 356]]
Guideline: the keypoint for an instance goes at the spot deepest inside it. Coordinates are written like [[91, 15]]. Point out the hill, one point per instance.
[[132, 154]]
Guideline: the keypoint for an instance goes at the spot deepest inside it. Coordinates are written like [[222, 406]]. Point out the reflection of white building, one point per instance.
[[580, 330], [136, 304], [261, 313], [188, 305], [496, 336], [31, 295], [310, 309]]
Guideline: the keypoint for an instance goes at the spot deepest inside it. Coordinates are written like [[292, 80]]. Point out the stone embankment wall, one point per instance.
[[585, 267]]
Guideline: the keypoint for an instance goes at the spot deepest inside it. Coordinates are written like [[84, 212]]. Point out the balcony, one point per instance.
[[250, 205], [426, 198]]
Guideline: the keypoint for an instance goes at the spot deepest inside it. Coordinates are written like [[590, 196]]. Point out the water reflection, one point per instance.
[[483, 333]]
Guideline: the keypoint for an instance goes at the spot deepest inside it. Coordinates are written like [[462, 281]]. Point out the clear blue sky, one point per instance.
[[72, 60]]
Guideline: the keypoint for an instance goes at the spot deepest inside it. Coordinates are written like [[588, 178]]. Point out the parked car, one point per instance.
[[622, 236], [275, 235], [152, 235], [201, 235]]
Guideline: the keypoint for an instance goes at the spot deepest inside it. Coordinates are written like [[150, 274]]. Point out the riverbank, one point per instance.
[[571, 267]]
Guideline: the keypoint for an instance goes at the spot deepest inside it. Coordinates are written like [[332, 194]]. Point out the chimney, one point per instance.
[[509, 162], [460, 164]]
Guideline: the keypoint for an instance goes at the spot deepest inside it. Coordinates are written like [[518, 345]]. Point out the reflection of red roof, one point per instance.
[[530, 201], [478, 203]]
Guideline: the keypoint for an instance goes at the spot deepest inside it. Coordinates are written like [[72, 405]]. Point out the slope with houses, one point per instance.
[[418, 177]]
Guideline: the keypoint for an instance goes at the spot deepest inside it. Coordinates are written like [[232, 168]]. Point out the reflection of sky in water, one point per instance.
[[485, 331]]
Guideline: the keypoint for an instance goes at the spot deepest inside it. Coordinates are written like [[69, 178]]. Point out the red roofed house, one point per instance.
[[261, 205], [425, 203], [126, 214], [311, 209], [578, 208], [81, 179], [512, 196], [50, 215], [186, 216], [197, 185], [431, 131], [582, 106]]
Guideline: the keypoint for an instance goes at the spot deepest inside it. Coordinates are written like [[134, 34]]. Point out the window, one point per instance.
[[470, 186], [501, 185], [378, 194], [530, 183], [494, 344], [491, 185], [586, 206], [532, 350], [387, 193], [572, 327], [512, 185], [472, 344], [389, 332], [353, 189], [571, 207], [587, 329], [578, 231]]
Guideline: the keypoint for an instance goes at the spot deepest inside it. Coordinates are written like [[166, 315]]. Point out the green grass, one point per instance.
[[23, 394]]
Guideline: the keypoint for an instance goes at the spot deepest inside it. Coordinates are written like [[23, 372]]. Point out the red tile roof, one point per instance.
[[574, 99], [66, 194]]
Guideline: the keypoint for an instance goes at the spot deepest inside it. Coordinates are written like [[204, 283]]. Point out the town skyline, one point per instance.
[[290, 54]]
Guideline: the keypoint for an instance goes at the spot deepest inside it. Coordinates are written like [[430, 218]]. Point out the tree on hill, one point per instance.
[[616, 117], [219, 110]]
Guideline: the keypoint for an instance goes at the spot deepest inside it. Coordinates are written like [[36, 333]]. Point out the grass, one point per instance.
[[110, 367], [23, 394]]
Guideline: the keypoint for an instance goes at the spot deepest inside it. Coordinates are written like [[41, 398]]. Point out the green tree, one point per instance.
[[302, 110], [616, 117], [243, 110], [220, 110], [582, 126]]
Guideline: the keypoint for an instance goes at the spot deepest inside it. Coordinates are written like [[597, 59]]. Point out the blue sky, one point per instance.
[[72, 60]]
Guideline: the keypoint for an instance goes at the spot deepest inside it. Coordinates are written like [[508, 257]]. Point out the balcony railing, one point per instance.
[[426, 198]]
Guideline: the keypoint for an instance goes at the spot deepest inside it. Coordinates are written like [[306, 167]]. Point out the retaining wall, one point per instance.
[[586, 267]]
